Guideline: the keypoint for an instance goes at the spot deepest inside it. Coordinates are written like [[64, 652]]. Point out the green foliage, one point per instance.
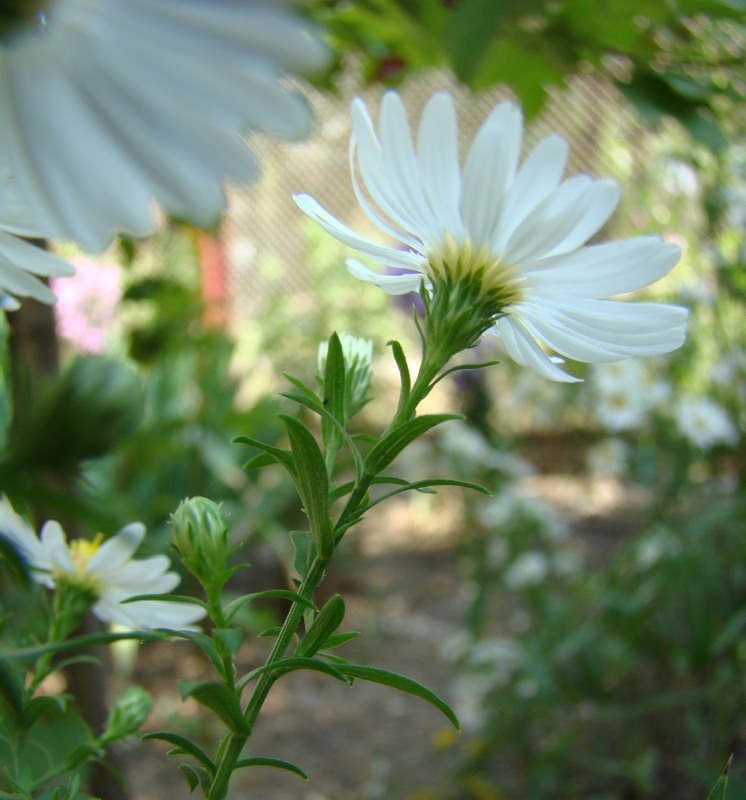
[[681, 60]]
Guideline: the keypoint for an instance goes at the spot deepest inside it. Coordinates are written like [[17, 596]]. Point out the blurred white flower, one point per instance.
[[621, 409], [105, 568], [704, 422], [528, 569], [608, 457], [21, 266], [521, 233], [111, 107]]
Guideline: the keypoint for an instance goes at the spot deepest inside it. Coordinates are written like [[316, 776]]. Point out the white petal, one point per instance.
[[149, 614], [539, 176], [23, 537], [565, 220], [391, 284], [118, 549], [55, 544], [606, 269], [522, 347], [438, 162], [352, 239], [489, 170]]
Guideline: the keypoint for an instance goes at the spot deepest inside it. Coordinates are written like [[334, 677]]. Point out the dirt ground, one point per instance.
[[401, 583]]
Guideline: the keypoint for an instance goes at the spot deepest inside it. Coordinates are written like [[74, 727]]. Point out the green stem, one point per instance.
[[232, 746]]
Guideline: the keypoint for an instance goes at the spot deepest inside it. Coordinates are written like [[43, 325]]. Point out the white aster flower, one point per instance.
[[704, 422], [106, 568], [21, 266], [111, 107], [608, 457], [529, 569], [521, 231]]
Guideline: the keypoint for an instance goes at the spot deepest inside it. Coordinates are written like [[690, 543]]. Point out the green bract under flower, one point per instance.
[[514, 234]]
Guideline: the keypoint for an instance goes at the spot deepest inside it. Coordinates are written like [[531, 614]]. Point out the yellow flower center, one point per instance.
[[461, 260], [81, 553]]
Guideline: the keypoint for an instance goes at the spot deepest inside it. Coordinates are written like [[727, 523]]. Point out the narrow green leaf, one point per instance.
[[280, 456], [168, 598], [195, 776], [338, 639], [230, 638], [43, 704], [219, 699], [259, 761], [464, 368], [312, 482], [334, 394], [275, 631], [285, 594], [260, 460], [302, 387], [280, 668], [33, 652], [326, 623], [719, 789], [325, 414], [183, 746], [403, 367], [389, 447], [11, 688], [421, 486], [18, 564], [396, 681], [304, 551], [346, 488], [206, 645]]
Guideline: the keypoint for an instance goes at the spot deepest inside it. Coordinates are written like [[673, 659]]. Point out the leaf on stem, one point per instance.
[[389, 447], [326, 623], [219, 698], [11, 689], [312, 482], [184, 746], [423, 486], [260, 761], [304, 551], [719, 789], [279, 668], [403, 367], [206, 645], [334, 394], [34, 651], [196, 776], [233, 607], [275, 453], [403, 684]]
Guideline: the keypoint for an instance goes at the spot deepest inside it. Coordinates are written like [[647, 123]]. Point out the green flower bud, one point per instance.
[[201, 537], [128, 714]]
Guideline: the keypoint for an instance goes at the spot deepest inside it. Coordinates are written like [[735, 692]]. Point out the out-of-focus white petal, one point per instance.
[[23, 537], [119, 548], [114, 107], [521, 346], [21, 261]]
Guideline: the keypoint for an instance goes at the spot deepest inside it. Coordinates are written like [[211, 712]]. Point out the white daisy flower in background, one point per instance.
[[522, 231], [105, 568], [608, 457], [113, 107], [705, 423]]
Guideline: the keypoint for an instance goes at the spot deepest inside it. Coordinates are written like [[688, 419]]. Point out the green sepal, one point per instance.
[[403, 367], [334, 394], [34, 651], [312, 482], [389, 447], [230, 638], [326, 623], [280, 668], [720, 788], [327, 416], [260, 761], [206, 645], [304, 551], [423, 486], [403, 684], [196, 776], [11, 689], [233, 607], [280, 456], [183, 746], [219, 699]]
